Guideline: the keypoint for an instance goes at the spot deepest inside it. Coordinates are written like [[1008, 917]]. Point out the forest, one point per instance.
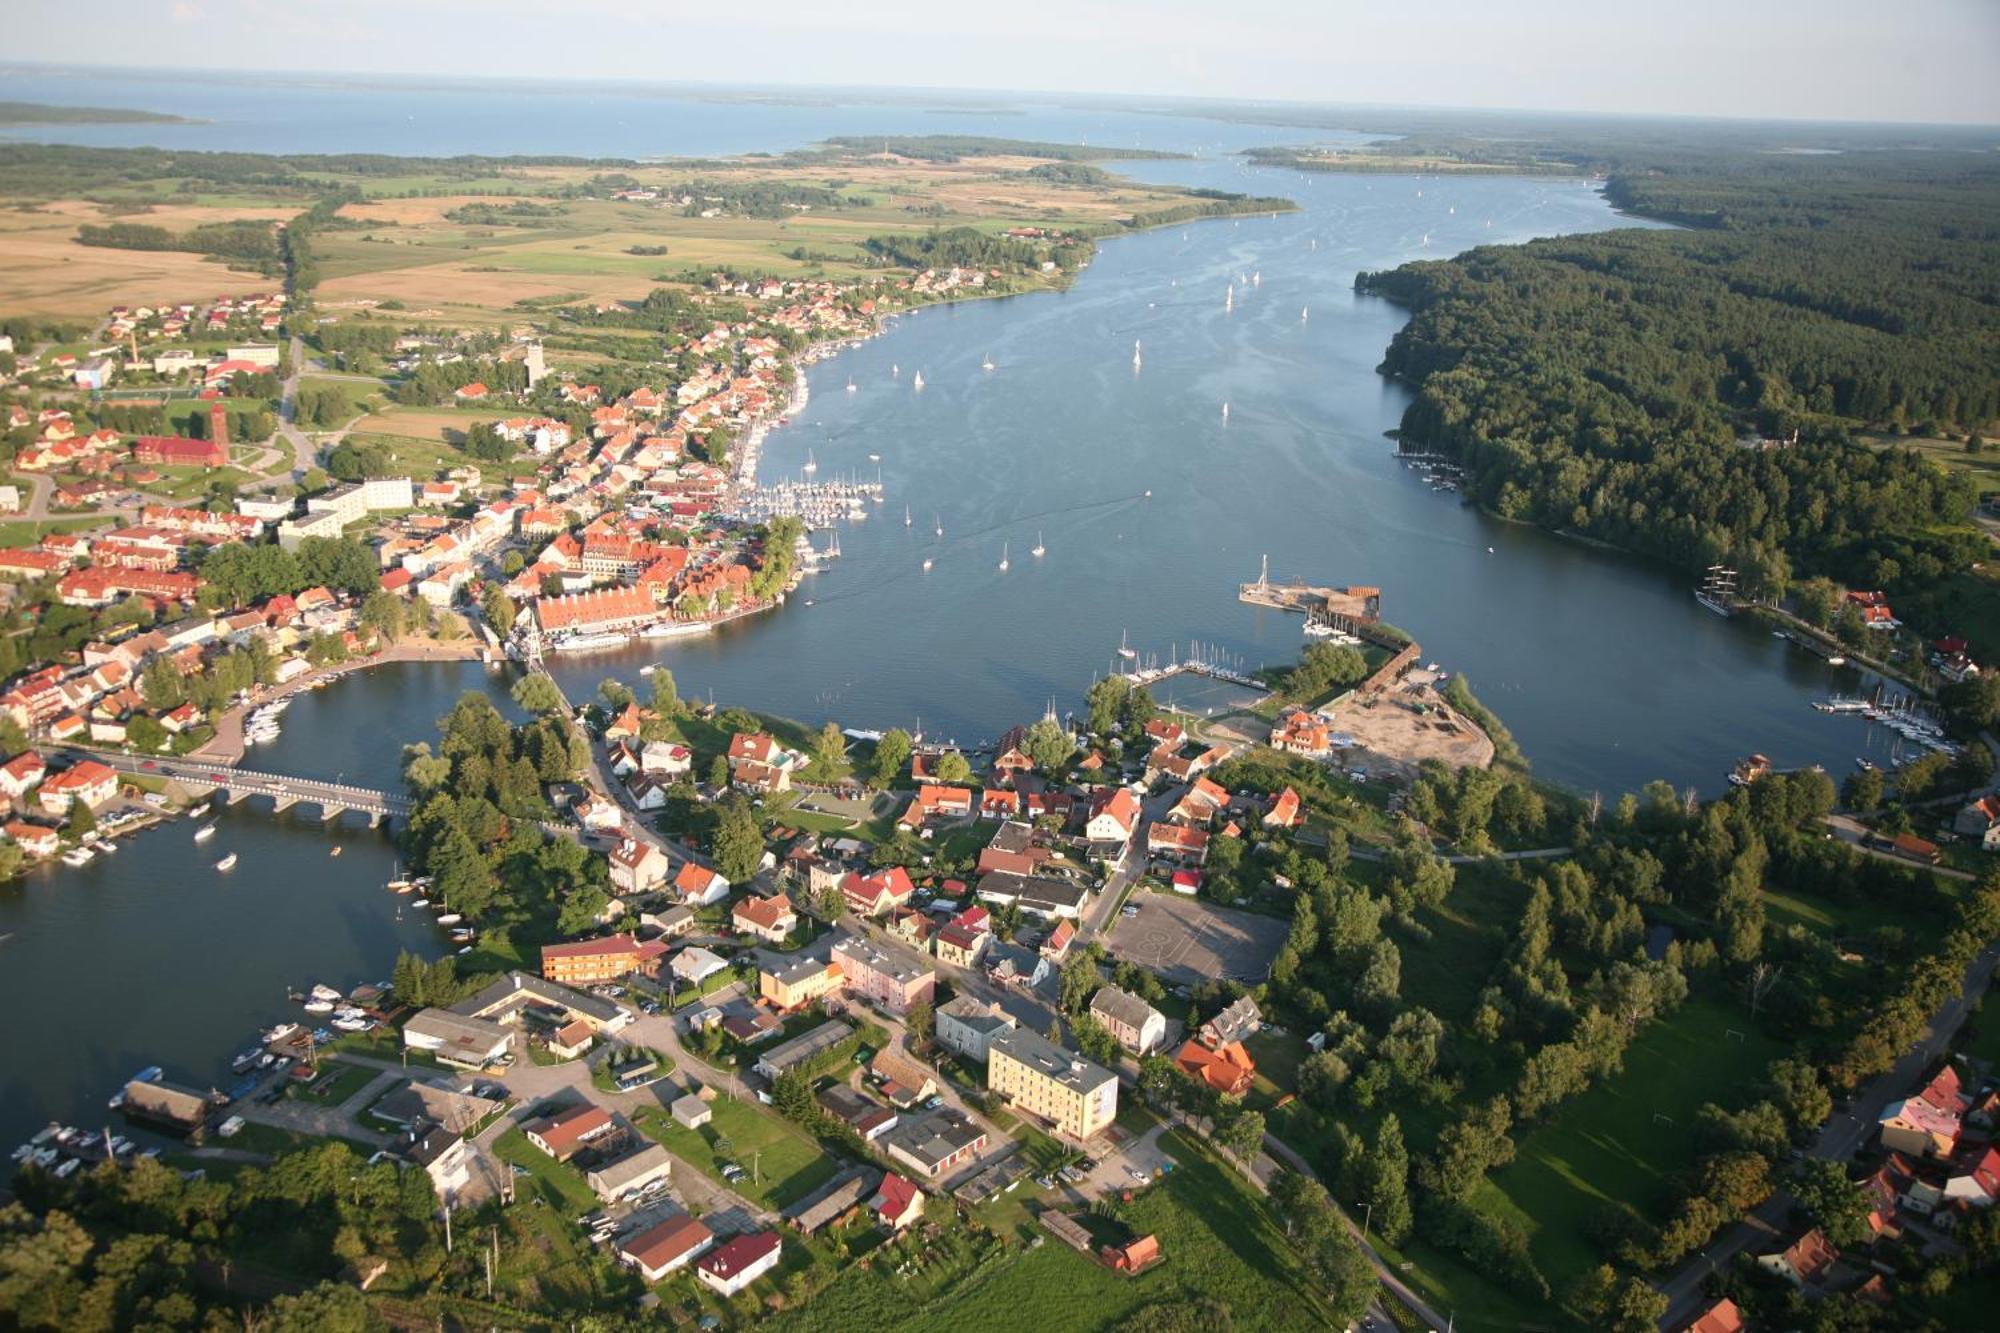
[[1695, 393]]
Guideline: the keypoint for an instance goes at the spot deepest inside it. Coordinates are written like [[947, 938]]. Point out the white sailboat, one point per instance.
[[918, 382], [927, 564], [811, 465], [895, 371], [1229, 301], [1257, 278], [850, 384], [1125, 649], [1040, 550], [1137, 360], [986, 362], [906, 516], [939, 523], [1003, 557], [1225, 414], [1305, 313]]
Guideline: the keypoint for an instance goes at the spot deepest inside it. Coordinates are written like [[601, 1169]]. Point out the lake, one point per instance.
[[1605, 668]]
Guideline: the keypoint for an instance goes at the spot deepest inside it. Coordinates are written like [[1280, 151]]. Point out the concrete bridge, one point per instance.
[[334, 799]]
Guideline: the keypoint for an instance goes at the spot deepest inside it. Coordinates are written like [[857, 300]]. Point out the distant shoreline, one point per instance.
[[40, 113]]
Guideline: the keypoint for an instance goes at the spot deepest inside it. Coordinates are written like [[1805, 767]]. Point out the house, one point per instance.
[[960, 946], [1037, 894], [1199, 803], [445, 1157], [1980, 821], [769, 919], [735, 1265], [456, 1039], [571, 1039], [694, 965], [933, 803], [666, 1248], [1805, 1260], [593, 962], [631, 1173], [897, 1202], [1032, 1073], [36, 841], [1284, 812], [1928, 1123], [1136, 1025], [890, 977], [563, 1134], [19, 775], [637, 867], [1238, 1021], [458, 1109], [1009, 964], [870, 1119], [1973, 1180], [665, 759], [967, 1025], [936, 1145], [752, 1027], [1056, 946], [883, 891], [1114, 817], [792, 983], [1720, 1317], [1228, 1070], [1178, 844], [903, 1081], [700, 886], [757, 763], [87, 781], [1303, 733]]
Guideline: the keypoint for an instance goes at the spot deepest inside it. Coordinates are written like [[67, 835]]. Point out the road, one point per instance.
[[1851, 831], [1838, 1141]]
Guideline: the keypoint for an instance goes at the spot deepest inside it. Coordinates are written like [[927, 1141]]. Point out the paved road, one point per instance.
[[1838, 1141], [1851, 831]]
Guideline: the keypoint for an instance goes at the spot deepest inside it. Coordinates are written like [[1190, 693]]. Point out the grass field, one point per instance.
[[22, 532], [788, 1162], [1220, 1242], [561, 1185], [1618, 1145], [337, 1082]]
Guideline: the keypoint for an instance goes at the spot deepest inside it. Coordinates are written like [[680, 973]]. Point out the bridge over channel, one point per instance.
[[334, 799]]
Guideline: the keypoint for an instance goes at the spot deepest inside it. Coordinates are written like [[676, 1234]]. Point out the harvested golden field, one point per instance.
[[416, 423], [416, 212], [43, 271]]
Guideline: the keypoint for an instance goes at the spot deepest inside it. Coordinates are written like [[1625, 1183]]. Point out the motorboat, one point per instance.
[[226, 863], [321, 991], [420, 902], [450, 919], [78, 856], [319, 1006], [204, 833]]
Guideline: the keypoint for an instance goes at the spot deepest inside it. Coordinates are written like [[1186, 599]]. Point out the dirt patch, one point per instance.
[[1396, 729], [416, 424]]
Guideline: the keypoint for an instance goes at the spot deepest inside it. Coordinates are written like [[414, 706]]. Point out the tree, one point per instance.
[[146, 733], [582, 910], [615, 693], [666, 693], [952, 767], [1799, 1094], [829, 754], [739, 843], [1838, 1205], [81, 822], [1105, 701], [1080, 980], [921, 1024], [1242, 1134], [1048, 745], [892, 754], [499, 609], [382, 611], [536, 693], [1385, 1182], [1863, 791]]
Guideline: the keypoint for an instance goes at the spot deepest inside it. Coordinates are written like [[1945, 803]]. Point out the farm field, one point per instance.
[[43, 271]]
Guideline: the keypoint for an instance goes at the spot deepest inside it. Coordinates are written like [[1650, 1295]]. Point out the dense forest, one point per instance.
[[247, 242], [1617, 384]]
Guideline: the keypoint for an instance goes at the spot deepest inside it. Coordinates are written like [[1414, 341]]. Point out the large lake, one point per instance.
[[1605, 668]]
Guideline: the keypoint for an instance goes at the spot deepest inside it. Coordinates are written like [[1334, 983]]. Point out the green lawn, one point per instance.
[[561, 1185], [1619, 1145], [789, 1164], [337, 1081], [24, 532], [1220, 1242]]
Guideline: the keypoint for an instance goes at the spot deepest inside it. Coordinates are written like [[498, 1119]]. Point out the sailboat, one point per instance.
[[895, 371], [1305, 313], [1125, 648], [927, 564], [986, 362], [811, 465], [1257, 278], [906, 516], [918, 383], [1136, 358], [1225, 414], [1229, 301], [940, 524], [1003, 557], [850, 384], [1040, 550]]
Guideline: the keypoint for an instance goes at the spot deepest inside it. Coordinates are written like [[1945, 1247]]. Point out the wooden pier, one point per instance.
[[1351, 609]]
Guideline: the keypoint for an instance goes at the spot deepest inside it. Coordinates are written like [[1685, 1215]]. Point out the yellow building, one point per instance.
[[798, 983], [1034, 1074]]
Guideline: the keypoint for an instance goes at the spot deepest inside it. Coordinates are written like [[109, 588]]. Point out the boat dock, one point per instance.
[[1349, 609], [819, 504]]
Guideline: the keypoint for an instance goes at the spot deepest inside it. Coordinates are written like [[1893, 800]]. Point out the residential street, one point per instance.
[[1838, 1141]]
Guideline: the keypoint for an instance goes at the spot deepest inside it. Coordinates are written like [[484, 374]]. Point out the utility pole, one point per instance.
[[447, 1226]]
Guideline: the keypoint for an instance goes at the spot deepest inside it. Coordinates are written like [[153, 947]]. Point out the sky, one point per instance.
[[1912, 60]]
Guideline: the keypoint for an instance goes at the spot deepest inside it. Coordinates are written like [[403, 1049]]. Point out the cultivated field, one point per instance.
[[43, 271]]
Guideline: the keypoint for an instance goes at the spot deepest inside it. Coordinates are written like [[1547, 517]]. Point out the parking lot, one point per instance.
[[1187, 941], [1121, 1160]]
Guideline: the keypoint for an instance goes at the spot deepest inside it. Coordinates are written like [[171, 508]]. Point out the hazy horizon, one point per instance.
[[1931, 62]]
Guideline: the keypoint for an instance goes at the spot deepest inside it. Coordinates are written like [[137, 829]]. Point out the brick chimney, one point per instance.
[[218, 424]]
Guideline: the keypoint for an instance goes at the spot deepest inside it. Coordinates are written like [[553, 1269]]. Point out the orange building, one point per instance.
[[591, 962]]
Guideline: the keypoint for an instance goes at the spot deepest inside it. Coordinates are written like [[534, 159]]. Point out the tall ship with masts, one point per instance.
[[1718, 591]]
